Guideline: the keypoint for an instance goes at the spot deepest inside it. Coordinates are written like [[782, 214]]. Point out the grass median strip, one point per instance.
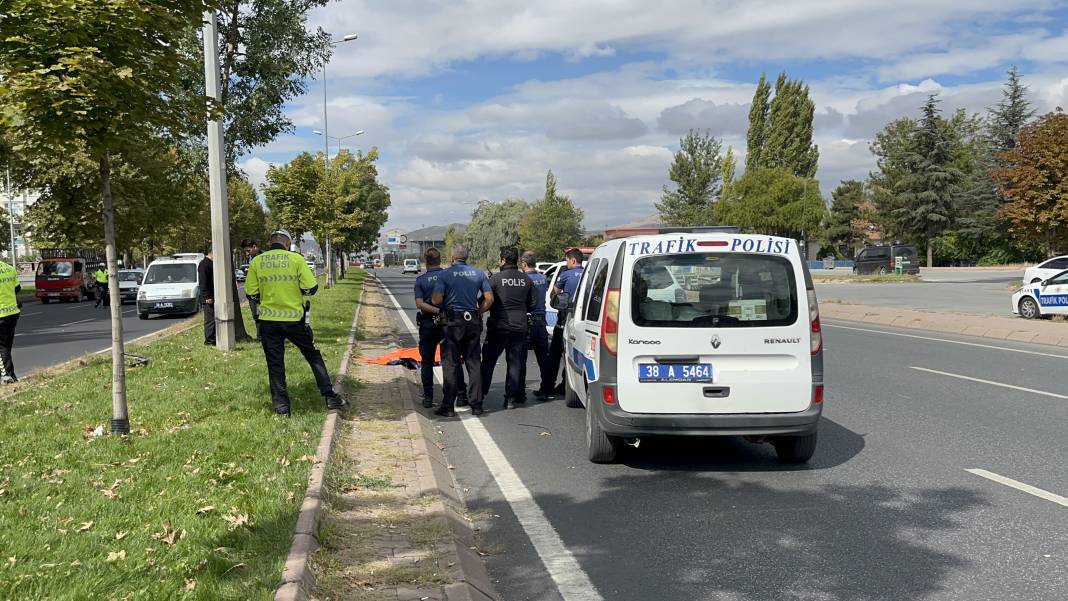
[[199, 502]]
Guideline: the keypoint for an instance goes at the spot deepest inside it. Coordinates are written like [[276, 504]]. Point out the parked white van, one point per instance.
[[695, 332], [170, 286]]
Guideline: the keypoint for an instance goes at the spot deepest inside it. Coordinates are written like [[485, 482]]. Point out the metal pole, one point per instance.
[[327, 249], [225, 333], [11, 218]]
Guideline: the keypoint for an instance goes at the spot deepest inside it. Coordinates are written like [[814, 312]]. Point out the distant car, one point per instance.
[[411, 266], [1045, 270], [240, 274], [129, 284], [543, 266], [882, 259], [1042, 298]]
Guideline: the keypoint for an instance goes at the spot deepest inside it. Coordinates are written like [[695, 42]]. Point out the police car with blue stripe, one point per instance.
[[1043, 298], [696, 332]]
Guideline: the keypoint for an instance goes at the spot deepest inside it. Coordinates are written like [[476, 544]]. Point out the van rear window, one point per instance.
[[727, 290]]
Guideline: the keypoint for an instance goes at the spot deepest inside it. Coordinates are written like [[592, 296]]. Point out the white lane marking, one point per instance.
[[563, 568], [990, 382], [931, 338], [31, 314], [1027, 488], [75, 322]]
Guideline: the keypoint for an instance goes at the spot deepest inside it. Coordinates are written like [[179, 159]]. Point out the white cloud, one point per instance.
[[256, 170]]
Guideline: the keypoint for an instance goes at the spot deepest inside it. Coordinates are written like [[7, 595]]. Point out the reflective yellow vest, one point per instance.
[[101, 276], [278, 276], [9, 280]]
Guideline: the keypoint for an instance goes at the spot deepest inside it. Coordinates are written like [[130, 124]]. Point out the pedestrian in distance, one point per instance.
[[206, 275], [567, 282], [278, 280], [101, 277], [10, 308], [506, 329], [429, 320], [537, 335], [464, 292], [252, 250]]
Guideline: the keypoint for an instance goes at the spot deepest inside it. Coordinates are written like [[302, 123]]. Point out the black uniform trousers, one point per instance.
[[462, 340], [7, 341], [431, 337], [512, 345], [538, 341], [209, 323], [273, 337], [556, 353]]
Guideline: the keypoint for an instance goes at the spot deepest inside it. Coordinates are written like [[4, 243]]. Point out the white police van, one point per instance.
[[695, 332], [171, 286]]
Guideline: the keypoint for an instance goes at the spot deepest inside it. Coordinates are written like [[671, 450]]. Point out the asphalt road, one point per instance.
[[51, 334], [885, 511]]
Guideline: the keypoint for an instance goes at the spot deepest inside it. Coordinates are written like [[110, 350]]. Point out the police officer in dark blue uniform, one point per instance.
[[457, 291], [513, 299], [431, 334], [537, 335], [567, 282]]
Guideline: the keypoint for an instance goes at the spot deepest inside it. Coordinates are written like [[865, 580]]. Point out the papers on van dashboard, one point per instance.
[[674, 372], [748, 310]]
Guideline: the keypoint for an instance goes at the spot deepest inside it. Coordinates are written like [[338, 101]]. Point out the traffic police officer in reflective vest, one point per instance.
[[279, 280], [9, 318], [431, 333], [457, 292], [101, 277], [537, 336], [513, 299]]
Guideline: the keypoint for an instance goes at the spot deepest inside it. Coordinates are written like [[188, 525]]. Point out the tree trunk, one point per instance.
[[120, 417], [240, 333], [930, 253], [342, 263]]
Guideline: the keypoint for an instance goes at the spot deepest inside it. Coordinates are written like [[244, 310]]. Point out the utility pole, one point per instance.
[[327, 247], [225, 333], [11, 218]]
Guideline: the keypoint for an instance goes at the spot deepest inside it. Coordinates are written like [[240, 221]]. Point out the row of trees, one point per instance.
[[776, 194], [544, 227]]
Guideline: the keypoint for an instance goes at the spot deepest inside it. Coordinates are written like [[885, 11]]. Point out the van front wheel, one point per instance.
[[795, 449], [602, 448]]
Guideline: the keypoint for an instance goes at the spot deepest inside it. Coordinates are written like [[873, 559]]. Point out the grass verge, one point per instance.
[[199, 502], [884, 279]]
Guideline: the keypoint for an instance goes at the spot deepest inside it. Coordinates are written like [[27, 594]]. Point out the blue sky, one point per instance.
[[476, 99]]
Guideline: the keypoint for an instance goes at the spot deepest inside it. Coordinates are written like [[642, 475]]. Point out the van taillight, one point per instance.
[[610, 322], [817, 394], [814, 321], [608, 394]]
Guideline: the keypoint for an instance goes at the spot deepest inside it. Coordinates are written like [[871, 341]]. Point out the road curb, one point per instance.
[[982, 326], [298, 580]]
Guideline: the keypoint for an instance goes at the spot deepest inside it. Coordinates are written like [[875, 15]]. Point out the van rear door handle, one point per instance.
[[717, 392], [571, 337]]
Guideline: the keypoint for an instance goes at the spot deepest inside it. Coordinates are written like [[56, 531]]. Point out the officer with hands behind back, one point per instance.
[[457, 291], [513, 299], [10, 308], [431, 333], [279, 280], [537, 336]]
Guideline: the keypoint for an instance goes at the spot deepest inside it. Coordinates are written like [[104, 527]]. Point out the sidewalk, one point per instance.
[[1039, 331], [389, 533]]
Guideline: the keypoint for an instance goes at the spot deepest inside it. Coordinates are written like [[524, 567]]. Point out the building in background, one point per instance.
[[428, 237], [16, 204]]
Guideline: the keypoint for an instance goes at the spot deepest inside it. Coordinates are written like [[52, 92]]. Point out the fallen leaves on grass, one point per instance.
[[236, 519], [120, 535], [85, 526], [206, 510], [190, 584], [117, 555], [283, 461], [169, 536], [309, 458]]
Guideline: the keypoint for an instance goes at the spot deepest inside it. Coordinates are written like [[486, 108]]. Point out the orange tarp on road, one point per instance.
[[409, 357]]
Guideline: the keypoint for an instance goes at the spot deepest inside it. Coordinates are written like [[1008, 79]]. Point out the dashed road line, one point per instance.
[[1027, 488], [934, 339], [989, 382]]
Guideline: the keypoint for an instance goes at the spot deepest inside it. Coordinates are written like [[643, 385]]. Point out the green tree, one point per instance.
[[697, 170], [551, 224], [756, 137], [728, 169], [453, 236], [291, 191], [892, 147], [1010, 114], [247, 217], [928, 190], [493, 225], [773, 201], [844, 225], [361, 202], [90, 76], [780, 133]]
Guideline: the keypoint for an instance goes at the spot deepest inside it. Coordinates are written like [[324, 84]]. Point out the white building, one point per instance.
[[16, 204]]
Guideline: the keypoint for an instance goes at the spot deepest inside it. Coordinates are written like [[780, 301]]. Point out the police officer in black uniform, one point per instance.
[[537, 334], [431, 333], [513, 298], [457, 292]]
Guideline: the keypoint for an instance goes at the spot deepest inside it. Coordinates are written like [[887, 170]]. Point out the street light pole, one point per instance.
[[225, 330], [11, 218], [328, 247]]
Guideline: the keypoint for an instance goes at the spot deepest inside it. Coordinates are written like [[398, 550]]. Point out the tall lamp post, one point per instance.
[[328, 250]]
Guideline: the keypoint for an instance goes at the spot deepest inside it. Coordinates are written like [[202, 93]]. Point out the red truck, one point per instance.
[[66, 275]]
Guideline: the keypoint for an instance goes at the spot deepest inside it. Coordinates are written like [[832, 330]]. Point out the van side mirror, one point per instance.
[[560, 301]]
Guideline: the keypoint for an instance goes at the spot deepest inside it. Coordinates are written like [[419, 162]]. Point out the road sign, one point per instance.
[[393, 239]]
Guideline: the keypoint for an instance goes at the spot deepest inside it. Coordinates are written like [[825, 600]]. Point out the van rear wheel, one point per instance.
[[795, 449], [601, 447]]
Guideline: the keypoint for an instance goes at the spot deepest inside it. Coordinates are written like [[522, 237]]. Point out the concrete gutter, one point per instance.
[[1038, 331], [298, 580]]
